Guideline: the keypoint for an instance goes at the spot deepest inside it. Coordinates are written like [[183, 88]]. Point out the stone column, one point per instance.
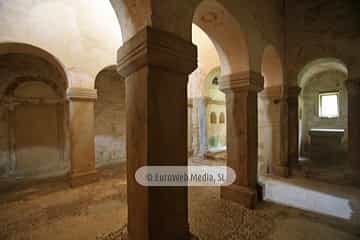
[[201, 104], [272, 123], [82, 146], [156, 66], [353, 87], [194, 127], [242, 135], [189, 128], [293, 125]]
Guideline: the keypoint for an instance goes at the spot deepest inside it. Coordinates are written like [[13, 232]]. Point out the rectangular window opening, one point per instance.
[[329, 105]]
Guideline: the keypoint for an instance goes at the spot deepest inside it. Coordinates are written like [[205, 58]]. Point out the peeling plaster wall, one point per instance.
[[323, 82], [32, 133], [110, 119], [84, 35]]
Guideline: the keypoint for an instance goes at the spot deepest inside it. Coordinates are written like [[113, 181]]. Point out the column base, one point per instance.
[[354, 178], [280, 171], [80, 179], [260, 191], [243, 195], [122, 234], [125, 236]]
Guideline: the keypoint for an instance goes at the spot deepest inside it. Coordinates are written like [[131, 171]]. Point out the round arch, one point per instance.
[[321, 76], [211, 84], [132, 16], [318, 66], [226, 35], [33, 51]]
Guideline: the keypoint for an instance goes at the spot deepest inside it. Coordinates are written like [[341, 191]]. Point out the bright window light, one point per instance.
[[329, 105]]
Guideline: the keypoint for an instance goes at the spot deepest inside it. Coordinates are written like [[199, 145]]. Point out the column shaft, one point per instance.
[[156, 65], [353, 87], [242, 135], [203, 125], [293, 125], [272, 122]]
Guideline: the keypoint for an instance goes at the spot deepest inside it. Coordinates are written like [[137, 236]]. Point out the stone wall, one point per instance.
[[110, 119], [4, 143], [322, 29]]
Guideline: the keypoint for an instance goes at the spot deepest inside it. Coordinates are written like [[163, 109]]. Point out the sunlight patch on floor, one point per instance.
[[306, 199]]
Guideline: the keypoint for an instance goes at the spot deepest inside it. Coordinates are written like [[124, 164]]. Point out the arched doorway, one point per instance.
[[240, 86], [34, 113], [323, 120], [207, 136]]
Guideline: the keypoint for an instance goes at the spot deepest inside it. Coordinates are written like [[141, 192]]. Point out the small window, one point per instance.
[[329, 105], [213, 118], [215, 81], [222, 118]]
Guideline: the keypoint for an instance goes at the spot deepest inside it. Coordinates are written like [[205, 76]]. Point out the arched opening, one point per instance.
[[34, 113], [232, 89], [204, 95], [222, 51], [323, 120], [110, 142], [271, 115], [226, 35]]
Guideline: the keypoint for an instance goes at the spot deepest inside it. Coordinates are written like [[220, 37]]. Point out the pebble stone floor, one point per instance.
[[98, 211]]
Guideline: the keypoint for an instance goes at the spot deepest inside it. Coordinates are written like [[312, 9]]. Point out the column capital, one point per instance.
[[243, 81], [272, 92], [353, 86], [190, 103], [293, 91], [81, 94], [201, 100], [152, 47]]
